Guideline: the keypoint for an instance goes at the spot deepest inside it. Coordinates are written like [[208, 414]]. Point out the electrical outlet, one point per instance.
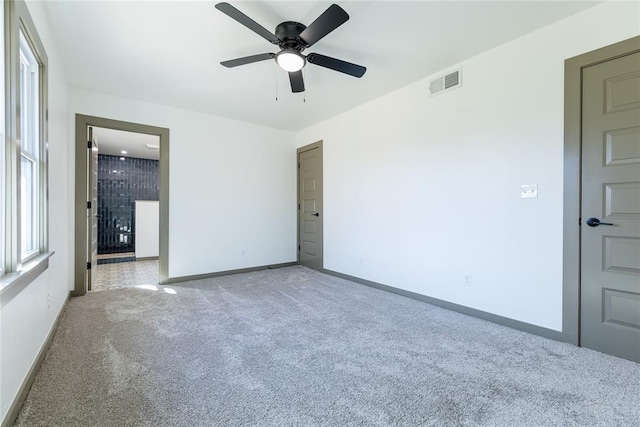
[[48, 301], [242, 252], [529, 191], [467, 280]]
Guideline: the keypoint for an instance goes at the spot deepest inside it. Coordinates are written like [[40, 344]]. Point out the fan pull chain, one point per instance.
[[276, 74], [304, 77]]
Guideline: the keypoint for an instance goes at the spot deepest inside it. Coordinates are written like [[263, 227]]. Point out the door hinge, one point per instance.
[[88, 266], [89, 144], [88, 205], [298, 247], [298, 206], [298, 165]]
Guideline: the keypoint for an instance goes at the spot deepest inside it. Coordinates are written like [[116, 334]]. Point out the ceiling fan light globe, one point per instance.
[[290, 60]]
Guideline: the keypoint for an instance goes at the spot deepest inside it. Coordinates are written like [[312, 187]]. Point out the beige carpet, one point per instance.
[[295, 347]]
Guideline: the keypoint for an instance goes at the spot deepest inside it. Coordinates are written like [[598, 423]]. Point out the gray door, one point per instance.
[[610, 252], [310, 206], [92, 209]]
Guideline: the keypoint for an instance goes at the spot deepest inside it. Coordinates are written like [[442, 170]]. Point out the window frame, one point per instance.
[[3, 149], [31, 147], [21, 269]]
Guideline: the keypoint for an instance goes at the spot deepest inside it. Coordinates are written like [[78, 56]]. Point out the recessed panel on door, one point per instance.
[[309, 248], [310, 165], [621, 308], [309, 227], [308, 185], [622, 254], [621, 92], [309, 206], [622, 146], [622, 199]]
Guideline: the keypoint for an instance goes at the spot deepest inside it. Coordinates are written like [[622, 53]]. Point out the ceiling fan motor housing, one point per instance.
[[289, 34]]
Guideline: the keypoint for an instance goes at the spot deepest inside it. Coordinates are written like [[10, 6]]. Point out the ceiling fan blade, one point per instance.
[[234, 13], [336, 64], [297, 82], [247, 60], [331, 19]]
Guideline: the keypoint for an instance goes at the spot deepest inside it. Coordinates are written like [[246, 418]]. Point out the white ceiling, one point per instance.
[[114, 142], [169, 52]]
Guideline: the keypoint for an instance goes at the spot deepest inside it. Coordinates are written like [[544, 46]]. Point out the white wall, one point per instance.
[[420, 191], [27, 319], [232, 185]]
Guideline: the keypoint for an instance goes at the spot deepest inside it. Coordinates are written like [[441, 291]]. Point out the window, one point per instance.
[[23, 154], [30, 148]]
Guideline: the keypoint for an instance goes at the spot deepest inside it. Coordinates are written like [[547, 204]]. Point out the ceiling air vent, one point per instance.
[[446, 83]]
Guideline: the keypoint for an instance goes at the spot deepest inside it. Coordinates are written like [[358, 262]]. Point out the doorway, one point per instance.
[[310, 206], [128, 187], [114, 215], [602, 190], [127, 208]]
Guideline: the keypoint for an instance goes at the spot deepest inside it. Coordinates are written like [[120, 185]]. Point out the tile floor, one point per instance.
[[126, 275]]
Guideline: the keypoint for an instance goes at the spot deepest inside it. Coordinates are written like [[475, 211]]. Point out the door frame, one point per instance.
[[300, 150], [571, 255], [81, 170], [90, 279]]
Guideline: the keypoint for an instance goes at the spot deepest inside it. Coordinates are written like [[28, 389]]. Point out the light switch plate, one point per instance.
[[529, 191]]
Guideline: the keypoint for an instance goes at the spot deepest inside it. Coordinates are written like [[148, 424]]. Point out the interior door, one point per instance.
[[610, 224], [92, 208], [310, 206]]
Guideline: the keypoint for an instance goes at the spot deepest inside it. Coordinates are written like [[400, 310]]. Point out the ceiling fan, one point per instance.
[[293, 38]]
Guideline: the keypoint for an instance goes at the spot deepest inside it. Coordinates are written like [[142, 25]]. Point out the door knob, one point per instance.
[[594, 222], [316, 214]]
